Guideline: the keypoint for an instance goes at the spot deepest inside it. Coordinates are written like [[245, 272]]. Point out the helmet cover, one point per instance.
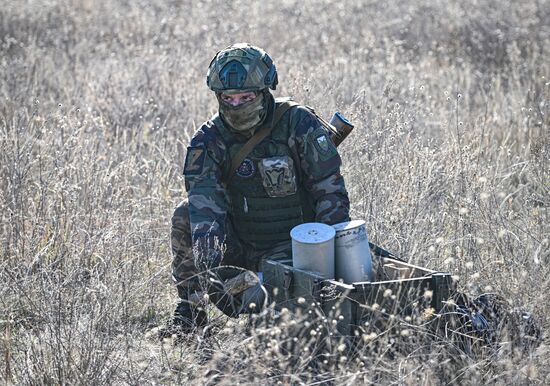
[[241, 68]]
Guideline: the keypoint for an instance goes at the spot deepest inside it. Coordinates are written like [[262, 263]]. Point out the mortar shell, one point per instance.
[[313, 248], [353, 261]]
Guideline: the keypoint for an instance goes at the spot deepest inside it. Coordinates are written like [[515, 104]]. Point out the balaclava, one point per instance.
[[245, 118]]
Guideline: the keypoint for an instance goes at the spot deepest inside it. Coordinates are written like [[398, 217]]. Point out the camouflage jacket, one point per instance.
[[208, 159]]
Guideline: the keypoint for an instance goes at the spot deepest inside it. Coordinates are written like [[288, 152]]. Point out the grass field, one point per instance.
[[449, 164]]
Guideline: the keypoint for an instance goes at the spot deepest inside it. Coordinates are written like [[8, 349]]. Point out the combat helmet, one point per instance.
[[241, 67]]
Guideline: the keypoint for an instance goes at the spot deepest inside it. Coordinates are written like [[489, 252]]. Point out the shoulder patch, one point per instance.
[[323, 144], [194, 160]]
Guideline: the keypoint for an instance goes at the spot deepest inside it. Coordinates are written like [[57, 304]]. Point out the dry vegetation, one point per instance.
[[449, 164]]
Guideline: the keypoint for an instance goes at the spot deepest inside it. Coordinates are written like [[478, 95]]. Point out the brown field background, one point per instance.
[[449, 164]]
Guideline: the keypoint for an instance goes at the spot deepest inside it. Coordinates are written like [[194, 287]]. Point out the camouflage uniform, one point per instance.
[[206, 229]]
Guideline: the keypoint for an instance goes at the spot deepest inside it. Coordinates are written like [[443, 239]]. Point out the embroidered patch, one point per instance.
[[246, 169], [323, 145], [322, 141], [279, 178], [194, 160]]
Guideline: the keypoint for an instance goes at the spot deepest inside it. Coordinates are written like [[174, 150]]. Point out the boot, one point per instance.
[[188, 317]]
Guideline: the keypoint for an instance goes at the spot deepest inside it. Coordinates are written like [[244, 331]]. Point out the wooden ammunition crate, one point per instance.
[[399, 289]]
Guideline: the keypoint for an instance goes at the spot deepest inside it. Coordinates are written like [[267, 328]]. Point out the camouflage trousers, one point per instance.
[[184, 272]]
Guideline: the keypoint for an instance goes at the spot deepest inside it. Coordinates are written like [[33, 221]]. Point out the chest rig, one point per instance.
[[267, 198]]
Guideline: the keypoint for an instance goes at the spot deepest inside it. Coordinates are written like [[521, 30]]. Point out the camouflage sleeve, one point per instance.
[[207, 199], [320, 168]]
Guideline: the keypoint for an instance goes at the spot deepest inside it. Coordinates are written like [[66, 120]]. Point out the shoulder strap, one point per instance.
[[256, 139], [331, 129]]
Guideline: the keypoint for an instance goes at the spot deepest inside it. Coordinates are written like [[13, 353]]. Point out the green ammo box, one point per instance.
[[399, 289]]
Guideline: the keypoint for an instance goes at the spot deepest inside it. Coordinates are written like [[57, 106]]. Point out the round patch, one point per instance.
[[246, 169]]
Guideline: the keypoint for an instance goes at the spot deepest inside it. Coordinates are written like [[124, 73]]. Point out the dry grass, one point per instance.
[[449, 164]]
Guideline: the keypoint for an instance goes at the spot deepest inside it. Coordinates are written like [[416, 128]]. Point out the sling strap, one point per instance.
[[256, 139]]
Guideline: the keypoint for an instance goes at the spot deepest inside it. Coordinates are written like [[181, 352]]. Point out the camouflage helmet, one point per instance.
[[241, 67]]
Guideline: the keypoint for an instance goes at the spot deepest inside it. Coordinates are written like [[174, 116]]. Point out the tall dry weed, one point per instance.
[[449, 164]]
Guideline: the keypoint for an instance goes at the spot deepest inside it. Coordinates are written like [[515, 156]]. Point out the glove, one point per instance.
[[235, 290]]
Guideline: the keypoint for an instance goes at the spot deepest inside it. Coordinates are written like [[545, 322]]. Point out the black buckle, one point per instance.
[[287, 281], [316, 289]]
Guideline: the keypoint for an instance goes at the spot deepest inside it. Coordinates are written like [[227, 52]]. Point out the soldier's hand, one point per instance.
[[235, 290], [219, 296]]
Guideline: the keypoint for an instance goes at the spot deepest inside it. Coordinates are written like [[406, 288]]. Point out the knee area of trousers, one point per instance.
[[181, 213]]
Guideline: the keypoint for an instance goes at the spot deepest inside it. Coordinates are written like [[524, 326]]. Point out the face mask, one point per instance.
[[245, 117]]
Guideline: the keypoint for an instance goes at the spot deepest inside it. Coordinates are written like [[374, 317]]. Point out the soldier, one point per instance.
[[252, 172]]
